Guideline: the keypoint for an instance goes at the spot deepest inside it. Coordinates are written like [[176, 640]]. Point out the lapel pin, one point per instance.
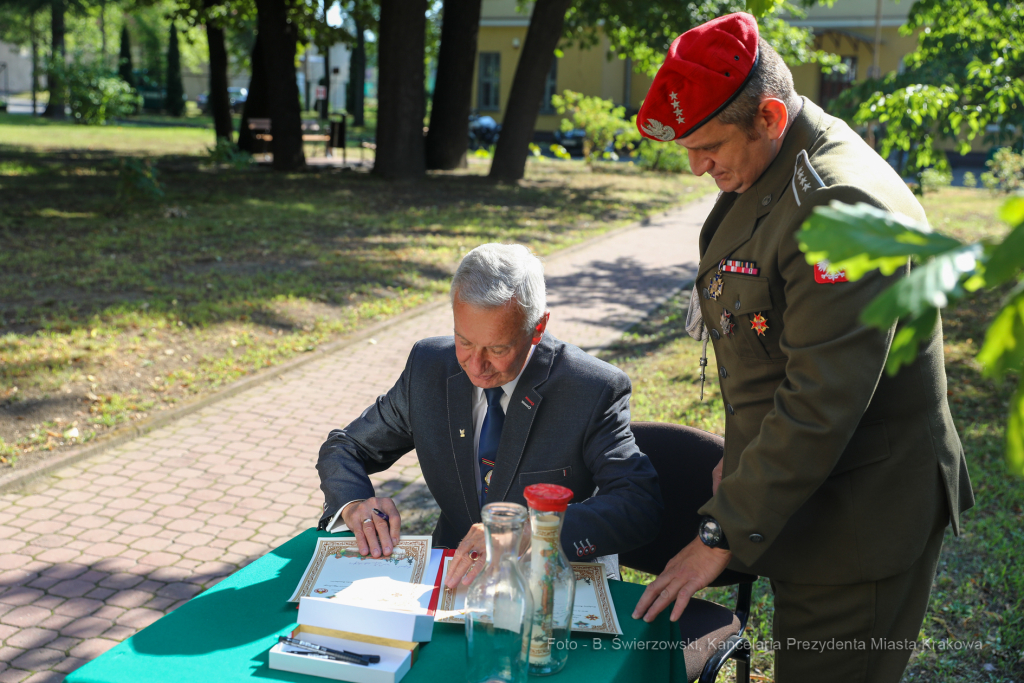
[[759, 324], [527, 403], [462, 433]]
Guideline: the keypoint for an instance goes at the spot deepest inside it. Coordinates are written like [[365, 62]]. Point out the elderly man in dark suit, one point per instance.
[[495, 408]]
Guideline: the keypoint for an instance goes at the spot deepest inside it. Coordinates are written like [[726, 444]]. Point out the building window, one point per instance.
[[550, 86], [490, 81], [836, 82]]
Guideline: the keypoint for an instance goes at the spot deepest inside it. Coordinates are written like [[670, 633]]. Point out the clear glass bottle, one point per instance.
[[550, 578], [498, 603]]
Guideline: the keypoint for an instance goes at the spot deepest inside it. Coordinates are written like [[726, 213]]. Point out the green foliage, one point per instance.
[[934, 179], [137, 181], [965, 80], [643, 31], [970, 180], [227, 153], [661, 156], [175, 102], [534, 149], [861, 238], [605, 124], [560, 152], [94, 95], [1005, 171]]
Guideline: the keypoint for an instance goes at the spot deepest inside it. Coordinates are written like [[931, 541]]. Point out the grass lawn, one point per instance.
[[978, 593], [111, 309]]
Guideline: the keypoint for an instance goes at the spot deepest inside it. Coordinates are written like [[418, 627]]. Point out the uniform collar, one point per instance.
[[743, 211]]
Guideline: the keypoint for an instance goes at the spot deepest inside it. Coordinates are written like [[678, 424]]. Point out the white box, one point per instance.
[[329, 614], [394, 663]]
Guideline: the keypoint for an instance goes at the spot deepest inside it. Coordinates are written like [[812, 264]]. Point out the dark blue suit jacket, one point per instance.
[[567, 423]]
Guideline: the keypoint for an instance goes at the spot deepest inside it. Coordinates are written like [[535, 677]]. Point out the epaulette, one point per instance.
[[805, 178]]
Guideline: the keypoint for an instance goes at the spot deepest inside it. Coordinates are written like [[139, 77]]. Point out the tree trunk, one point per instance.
[[35, 62], [528, 89], [325, 105], [257, 103], [400, 94], [55, 107], [174, 101], [448, 137], [357, 78], [278, 38], [219, 102]]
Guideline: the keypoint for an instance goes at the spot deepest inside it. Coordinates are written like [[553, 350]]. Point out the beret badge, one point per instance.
[[658, 130]]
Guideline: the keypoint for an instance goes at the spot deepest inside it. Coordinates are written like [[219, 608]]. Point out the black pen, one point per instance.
[[349, 657]]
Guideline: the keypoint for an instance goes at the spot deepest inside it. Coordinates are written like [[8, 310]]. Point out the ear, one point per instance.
[[538, 331], [775, 116]]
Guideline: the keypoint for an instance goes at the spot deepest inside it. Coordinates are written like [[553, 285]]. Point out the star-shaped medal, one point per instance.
[[759, 324], [726, 323]]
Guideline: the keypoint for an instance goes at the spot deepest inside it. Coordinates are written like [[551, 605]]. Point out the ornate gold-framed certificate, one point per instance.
[[592, 610], [336, 565]]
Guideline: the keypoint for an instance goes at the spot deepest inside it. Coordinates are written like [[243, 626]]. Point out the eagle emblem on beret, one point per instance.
[[658, 130]]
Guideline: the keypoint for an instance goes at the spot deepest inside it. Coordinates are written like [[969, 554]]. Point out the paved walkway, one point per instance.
[[105, 547]]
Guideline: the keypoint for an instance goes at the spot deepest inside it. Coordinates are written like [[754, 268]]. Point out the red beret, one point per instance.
[[706, 68]]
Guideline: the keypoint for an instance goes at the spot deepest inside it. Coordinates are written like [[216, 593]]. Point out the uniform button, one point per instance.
[[736, 305], [756, 538], [729, 409], [715, 335], [766, 201], [706, 294], [722, 372]]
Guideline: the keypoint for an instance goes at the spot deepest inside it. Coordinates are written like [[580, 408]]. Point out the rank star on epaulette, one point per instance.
[[759, 325], [805, 178]]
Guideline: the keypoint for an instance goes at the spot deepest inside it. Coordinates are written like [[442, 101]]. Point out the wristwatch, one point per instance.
[[710, 533]]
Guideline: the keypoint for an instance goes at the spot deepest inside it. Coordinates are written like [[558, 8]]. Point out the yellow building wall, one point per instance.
[[587, 71]]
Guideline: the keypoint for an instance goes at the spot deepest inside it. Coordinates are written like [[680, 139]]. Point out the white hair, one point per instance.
[[492, 275]]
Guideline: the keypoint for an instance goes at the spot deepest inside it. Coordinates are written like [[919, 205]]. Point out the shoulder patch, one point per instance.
[[805, 178]]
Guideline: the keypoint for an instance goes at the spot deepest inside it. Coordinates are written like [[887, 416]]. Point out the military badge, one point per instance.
[[759, 324], [742, 267], [715, 288], [726, 323], [822, 275]]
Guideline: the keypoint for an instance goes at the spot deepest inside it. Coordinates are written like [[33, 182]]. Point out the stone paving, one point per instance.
[[104, 547]]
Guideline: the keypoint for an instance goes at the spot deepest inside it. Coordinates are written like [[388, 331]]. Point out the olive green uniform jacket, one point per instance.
[[834, 472]]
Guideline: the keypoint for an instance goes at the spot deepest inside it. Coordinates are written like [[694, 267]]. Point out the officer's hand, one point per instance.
[[716, 477], [465, 567], [469, 558], [693, 568], [373, 534]]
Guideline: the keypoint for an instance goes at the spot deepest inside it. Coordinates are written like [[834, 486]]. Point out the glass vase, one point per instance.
[[498, 602], [550, 578]]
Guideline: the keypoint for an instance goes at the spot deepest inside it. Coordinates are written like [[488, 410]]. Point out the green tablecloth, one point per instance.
[[224, 634]]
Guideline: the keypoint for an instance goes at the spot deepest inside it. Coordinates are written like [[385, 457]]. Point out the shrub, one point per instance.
[[662, 156], [932, 179], [137, 181], [1006, 171], [227, 153], [94, 94], [560, 152], [602, 122], [970, 180]]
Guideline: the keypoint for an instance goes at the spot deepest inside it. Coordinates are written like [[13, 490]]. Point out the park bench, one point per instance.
[[332, 134]]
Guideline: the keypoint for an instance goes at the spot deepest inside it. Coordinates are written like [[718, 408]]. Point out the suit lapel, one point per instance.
[[460, 429], [523, 406]]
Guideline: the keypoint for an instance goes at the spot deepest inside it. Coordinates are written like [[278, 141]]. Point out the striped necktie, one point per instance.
[[490, 438]]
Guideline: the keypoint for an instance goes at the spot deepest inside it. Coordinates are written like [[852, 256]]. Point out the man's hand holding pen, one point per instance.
[[376, 525]]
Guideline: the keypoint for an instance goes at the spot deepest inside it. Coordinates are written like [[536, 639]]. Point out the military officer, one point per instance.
[[837, 481]]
